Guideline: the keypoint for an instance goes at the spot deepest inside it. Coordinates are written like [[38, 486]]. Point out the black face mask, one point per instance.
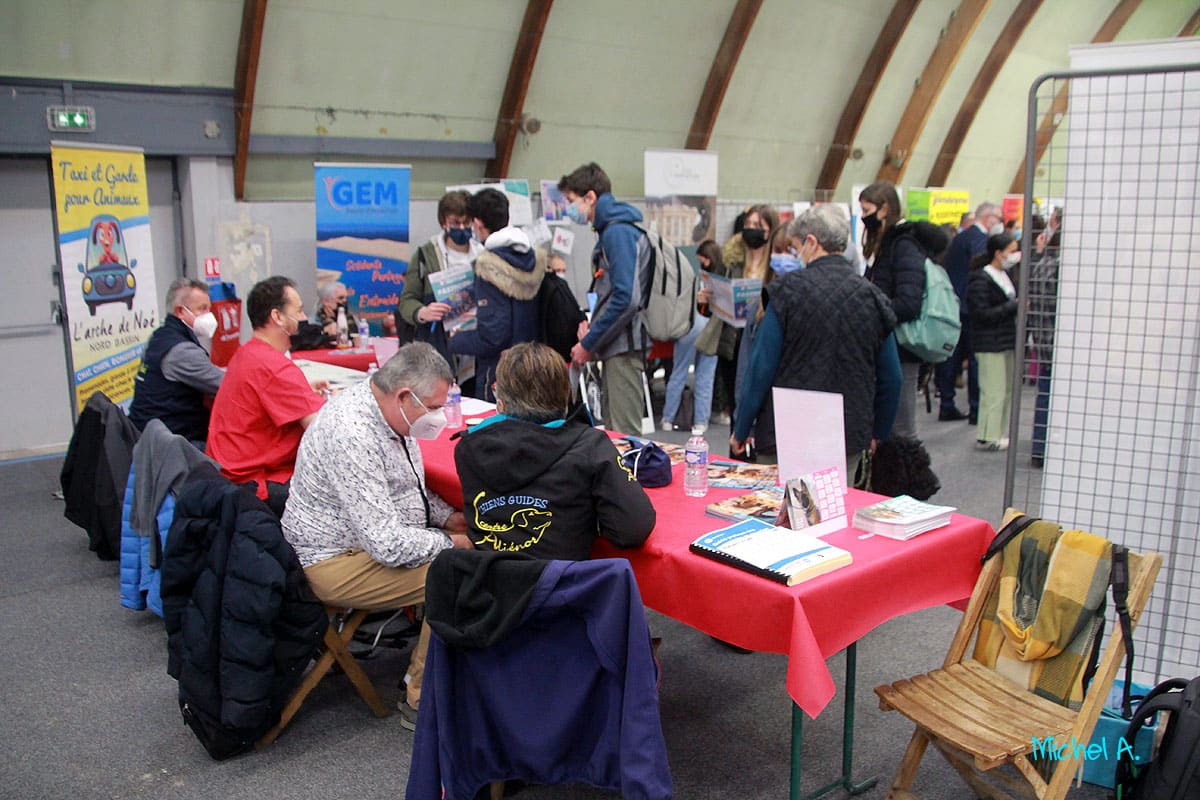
[[872, 222], [754, 237]]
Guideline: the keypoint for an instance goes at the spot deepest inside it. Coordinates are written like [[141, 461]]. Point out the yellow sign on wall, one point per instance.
[[946, 206], [103, 212]]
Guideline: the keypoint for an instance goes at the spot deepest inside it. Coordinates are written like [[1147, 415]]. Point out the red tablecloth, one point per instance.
[[809, 622], [351, 359]]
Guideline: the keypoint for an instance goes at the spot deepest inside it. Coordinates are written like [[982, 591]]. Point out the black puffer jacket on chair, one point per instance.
[[242, 622]]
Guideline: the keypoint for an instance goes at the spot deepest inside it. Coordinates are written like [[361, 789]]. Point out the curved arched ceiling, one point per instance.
[[607, 81]]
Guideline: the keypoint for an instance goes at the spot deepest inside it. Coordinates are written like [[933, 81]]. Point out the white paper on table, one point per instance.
[[473, 406], [339, 377], [809, 432]]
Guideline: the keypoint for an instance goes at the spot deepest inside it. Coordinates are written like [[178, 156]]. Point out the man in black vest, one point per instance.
[[177, 377]]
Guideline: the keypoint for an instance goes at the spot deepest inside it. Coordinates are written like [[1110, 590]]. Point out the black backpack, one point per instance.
[[559, 315], [1174, 773]]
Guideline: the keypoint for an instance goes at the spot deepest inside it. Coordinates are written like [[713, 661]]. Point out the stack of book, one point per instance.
[[902, 517]]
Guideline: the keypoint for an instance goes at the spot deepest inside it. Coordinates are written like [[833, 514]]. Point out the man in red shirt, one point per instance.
[[265, 402]]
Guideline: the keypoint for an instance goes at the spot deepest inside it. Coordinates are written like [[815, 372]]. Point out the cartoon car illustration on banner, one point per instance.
[[108, 276]]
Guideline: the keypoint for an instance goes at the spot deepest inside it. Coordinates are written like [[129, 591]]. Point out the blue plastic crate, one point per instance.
[[1110, 728]]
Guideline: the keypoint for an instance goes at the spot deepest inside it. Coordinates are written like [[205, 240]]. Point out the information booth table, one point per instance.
[[808, 622]]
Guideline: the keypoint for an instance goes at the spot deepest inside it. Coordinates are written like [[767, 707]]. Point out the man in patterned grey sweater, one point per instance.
[[359, 514]]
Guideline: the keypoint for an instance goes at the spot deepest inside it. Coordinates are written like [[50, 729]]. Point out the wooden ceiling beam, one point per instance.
[[860, 96], [1021, 16], [957, 33], [1050, 122], [512, 105], [254, 13], [1192, 26], [724, 63]]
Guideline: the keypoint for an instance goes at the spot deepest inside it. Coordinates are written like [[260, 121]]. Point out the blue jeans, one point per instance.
[[706, 368], [1041, 409]]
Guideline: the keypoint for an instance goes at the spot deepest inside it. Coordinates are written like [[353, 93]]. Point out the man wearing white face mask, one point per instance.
[[177, 375], [360, 516]]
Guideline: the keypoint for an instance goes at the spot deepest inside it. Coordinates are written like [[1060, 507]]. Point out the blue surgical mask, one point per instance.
[[460, 236], [783, 263], [573, 213]]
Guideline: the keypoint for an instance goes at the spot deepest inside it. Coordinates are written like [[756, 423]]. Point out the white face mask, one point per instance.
[[428, 426], [1011, 260], [204, 325], [996, 229]]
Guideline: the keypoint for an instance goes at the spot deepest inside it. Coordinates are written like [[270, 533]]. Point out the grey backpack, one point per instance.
[[668, 290]]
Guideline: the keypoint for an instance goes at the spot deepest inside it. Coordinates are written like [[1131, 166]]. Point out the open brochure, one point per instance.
[[731, 298], [762, 504], [901, 517], [781, 554], [740, 475], [456, 288]]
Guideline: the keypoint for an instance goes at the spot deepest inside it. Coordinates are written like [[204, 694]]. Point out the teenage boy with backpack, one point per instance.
[[615, 337]]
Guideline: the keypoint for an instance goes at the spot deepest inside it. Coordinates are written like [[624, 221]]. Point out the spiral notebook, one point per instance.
[[780, 554]]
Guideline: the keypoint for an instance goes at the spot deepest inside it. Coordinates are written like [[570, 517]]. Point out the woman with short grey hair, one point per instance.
[[330, 297]]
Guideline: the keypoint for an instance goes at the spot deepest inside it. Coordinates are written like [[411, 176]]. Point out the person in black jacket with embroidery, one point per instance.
[[992, 304], [896, 250], [536, 483]]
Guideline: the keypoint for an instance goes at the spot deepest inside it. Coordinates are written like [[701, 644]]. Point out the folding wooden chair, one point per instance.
[[981, 721], [334, 649]]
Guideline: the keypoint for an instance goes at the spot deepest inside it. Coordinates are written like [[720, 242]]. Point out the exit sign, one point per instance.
[[71, 118]]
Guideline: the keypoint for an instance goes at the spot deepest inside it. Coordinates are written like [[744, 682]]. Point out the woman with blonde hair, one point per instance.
[[746, 255]]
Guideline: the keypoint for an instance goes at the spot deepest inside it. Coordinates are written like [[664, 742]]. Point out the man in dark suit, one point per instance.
[[970, 242]]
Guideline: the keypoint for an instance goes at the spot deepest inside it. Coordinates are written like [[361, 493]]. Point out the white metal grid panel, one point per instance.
[[1122, 372]]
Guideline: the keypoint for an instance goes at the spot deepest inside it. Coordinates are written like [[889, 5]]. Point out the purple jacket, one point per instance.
[[570, 695]]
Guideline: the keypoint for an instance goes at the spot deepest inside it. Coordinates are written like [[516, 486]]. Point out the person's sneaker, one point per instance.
[[720, 419], [408, 716], [990, 447], [1003, 443], [951, 414], [667, 425]]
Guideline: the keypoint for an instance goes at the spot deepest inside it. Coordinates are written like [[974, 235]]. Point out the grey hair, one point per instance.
[[418, 366], [178, 291], [328, 290], [827, 223], [986, 209]]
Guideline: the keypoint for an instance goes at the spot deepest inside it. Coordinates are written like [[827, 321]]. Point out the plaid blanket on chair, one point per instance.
[[1039, 624]]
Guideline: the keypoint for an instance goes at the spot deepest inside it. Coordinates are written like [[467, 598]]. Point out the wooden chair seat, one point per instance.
[[334, 649], [977, 711], [986, 725]]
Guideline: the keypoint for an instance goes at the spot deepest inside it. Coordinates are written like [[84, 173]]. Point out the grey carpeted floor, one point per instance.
[[88, 710]]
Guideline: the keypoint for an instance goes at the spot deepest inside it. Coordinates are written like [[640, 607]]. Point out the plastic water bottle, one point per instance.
[[343, 329], [454, 407], [695, 465], [364, 336]]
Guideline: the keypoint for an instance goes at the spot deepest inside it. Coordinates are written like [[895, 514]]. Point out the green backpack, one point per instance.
[[933, 335]]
